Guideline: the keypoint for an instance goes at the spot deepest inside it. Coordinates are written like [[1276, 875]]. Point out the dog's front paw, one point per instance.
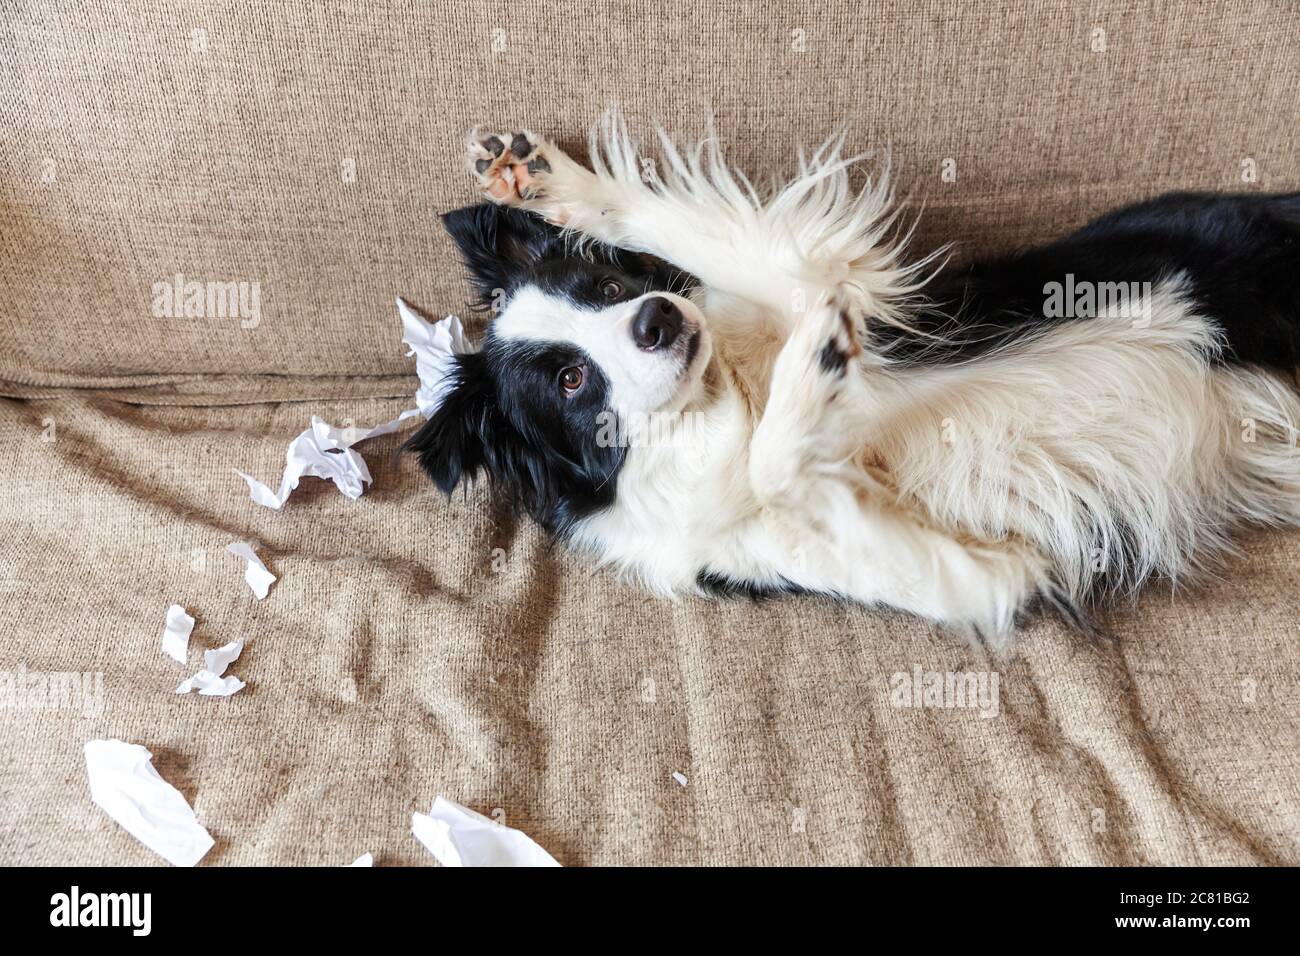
[[510, 168], [988, 586], [835, 336]]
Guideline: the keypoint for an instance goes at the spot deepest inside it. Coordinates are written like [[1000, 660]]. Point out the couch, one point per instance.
[[416, 646]]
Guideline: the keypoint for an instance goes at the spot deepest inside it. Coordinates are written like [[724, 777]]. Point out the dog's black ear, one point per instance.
[[498, 242], [452, 445], [469, 433]]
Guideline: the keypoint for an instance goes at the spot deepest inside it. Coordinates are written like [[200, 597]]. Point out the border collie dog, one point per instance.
[[717, 388]]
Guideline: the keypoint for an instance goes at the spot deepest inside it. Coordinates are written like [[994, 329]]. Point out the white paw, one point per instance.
[[509, 167], [989, 586], [829, 331]]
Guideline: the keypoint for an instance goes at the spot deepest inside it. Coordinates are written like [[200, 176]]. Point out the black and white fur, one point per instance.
[[843, 421]]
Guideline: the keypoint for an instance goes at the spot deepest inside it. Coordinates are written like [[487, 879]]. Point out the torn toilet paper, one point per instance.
[[433, 347], [176, 633], [209, 682], [307, 456], [255, 573], [457, 836], [324, 451], [333, 438], [124, 783]]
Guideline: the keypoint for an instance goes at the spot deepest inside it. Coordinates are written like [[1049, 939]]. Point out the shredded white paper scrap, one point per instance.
[[125, 785], [339, 438], [433, 347], [365, 859], [209, 682], [307, 456], [457, 836], [324, 451], [176, 633], [255, 573], [679, 777]]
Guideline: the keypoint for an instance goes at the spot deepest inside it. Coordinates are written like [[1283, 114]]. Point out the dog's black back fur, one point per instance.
[[1240, 255]]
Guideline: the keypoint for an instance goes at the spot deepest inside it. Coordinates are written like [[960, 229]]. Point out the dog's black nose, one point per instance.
[[656, 324]]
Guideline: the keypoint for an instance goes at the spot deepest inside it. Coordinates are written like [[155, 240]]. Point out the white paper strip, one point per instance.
[[209, 682], [365, 859], [176, 633], [125, 785], [255, 573], [331, 437], [457, 836]]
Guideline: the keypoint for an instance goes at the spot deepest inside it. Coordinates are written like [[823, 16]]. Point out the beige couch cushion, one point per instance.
[[391, 663], [137, 149]]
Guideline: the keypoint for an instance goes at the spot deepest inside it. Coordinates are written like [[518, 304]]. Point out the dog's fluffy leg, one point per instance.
[[808, 423], [805, 466], [694, 212]]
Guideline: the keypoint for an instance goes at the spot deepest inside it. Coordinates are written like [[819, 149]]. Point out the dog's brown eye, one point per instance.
[[571, 378], [611, 288]]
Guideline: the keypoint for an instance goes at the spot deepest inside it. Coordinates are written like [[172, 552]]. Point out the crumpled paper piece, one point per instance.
[[209, 682], [125, 785], [434, 347], [255, 573], [307, 456], [324, 451], [176, 633], [457, 836]]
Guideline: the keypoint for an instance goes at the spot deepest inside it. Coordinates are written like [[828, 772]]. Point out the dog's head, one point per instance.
[[582, 337]]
